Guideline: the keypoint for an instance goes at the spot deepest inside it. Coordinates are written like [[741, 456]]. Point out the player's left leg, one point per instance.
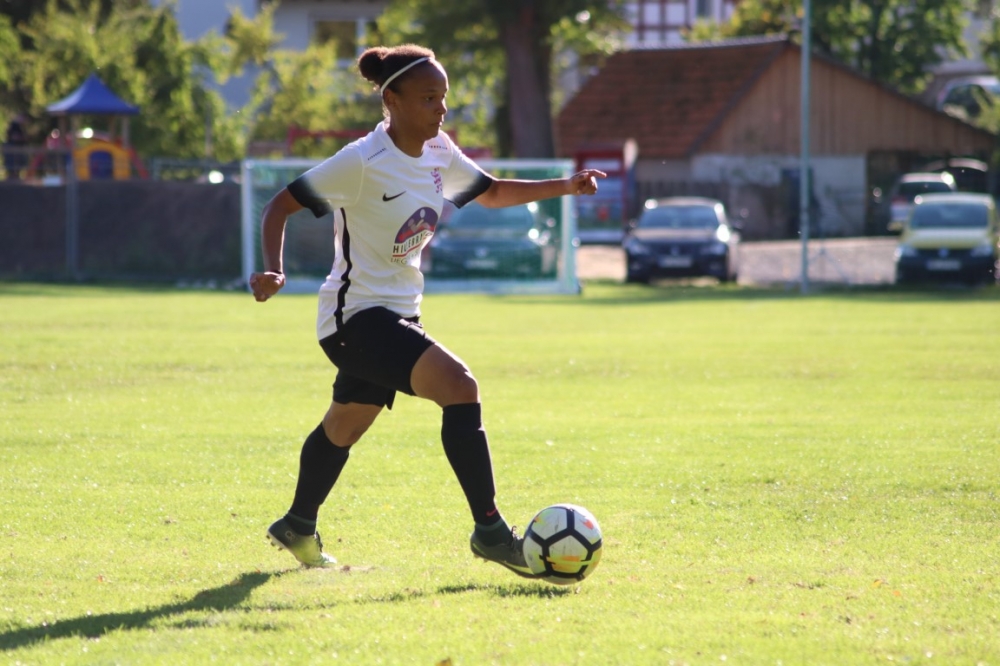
[[442, 377]]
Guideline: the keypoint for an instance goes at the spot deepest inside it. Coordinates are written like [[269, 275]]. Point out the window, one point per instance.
[[703, 8], [343, 33]]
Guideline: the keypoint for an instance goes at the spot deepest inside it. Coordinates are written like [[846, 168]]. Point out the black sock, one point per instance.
[[491, 535], [468, 451], [319, 466], [301, 526]]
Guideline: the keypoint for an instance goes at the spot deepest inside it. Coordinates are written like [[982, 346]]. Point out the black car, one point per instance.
[[682, 237], [476, 241]]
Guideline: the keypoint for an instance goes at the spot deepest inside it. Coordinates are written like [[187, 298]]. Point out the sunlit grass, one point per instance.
[[779, 479]]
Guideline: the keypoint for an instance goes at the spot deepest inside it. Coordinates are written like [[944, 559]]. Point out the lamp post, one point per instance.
[[804, 144], [72, 204]]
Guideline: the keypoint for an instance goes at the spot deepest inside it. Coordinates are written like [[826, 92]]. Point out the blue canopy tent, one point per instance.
[[92, 97]]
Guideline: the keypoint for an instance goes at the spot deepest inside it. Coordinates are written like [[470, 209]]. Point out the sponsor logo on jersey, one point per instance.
[[414, 233]]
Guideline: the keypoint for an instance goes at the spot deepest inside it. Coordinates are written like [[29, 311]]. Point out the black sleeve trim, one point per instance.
[[479, 186], [302, 192]]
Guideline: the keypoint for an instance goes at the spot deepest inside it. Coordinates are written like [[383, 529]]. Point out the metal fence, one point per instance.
[[198, 171], [48, 165]]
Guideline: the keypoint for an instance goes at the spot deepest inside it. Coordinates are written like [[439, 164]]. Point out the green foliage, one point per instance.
[[810, 480], [309, 90], [10, 52], [50, 48], [894, 42], [989, 44], [468, 48], [582, 40], [897, 43], [176, 102], [250, 41], [22, 11], [139, 53], [706, 31]]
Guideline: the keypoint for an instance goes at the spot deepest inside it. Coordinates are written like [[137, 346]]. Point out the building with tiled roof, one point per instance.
[[729, 113]]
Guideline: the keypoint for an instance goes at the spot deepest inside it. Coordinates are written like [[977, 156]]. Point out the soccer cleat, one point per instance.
[[509, 554], [307, 549]]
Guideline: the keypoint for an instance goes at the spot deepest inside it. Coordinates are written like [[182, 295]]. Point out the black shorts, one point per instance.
[[375, 351]]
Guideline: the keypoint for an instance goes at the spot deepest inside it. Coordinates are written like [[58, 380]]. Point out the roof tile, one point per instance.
[[665, 99]]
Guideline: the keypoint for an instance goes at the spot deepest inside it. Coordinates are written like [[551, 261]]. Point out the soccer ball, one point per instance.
[[563, 544]]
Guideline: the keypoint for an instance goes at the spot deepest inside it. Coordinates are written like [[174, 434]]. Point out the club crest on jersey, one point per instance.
[[416, 231]]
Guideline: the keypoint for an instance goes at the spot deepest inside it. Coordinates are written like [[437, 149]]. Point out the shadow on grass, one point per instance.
[[223, 597], [226, 597], [534, 590], [540, 590]]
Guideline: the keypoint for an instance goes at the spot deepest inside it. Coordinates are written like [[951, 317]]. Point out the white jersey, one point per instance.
[[385, 207]]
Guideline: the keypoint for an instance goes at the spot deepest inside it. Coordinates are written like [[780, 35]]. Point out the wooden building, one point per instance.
[[728, 113]]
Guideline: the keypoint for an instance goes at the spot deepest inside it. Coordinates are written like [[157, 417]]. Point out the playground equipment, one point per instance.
[[94, 155]]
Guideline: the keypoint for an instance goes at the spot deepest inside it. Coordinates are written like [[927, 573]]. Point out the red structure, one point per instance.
[[603, 217]]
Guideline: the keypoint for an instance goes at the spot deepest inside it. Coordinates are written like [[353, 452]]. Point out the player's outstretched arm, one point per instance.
[[507, 192], [272, 241]]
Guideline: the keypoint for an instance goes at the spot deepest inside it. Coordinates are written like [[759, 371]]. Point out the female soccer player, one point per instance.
[[386, 192]]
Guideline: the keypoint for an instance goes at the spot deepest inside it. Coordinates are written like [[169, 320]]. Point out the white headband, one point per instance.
[[393, 77]]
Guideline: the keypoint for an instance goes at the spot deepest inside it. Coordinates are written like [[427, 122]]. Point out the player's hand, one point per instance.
[[265, 285], [585, 182]]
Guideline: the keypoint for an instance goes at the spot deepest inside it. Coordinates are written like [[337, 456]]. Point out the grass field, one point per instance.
[[780, 480]]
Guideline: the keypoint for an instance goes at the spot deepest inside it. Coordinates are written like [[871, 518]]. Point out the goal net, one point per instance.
[[517, 250]]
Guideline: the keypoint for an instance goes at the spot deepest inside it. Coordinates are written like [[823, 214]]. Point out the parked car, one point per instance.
[[950, 236], [682, 237], [910, 185], [516, 242], [967, 94]]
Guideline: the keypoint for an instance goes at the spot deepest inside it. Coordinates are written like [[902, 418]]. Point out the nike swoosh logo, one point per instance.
[[388, 198]]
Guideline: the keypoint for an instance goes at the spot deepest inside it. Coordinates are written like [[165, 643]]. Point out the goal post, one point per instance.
[[522, 250]]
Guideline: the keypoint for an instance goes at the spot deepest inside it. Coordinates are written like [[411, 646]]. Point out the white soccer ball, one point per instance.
[[563, 544]]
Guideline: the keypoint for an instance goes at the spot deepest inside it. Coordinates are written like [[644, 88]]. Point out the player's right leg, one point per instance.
[[323, 457]]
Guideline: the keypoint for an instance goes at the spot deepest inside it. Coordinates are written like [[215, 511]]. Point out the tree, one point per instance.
[[10, 51], [501, 55], [307, 89], [894, 42], [138, 51], [22, 11], [989, 44], [502, 58]]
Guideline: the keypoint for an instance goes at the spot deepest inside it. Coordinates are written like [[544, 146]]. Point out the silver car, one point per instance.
[[911, 185]]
